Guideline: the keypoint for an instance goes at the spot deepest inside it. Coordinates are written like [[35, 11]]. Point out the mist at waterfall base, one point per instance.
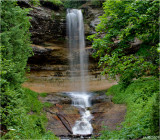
[[78, 58]]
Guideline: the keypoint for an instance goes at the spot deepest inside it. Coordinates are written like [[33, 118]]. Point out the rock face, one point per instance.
[[91, 19], [48, 34], [99, 99], [54, 56], [51, 53], [107, 114], [62, 115], [47, 23], [56, 98]]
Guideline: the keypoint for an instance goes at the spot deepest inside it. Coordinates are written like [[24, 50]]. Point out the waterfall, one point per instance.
[[77, 54], [78, 58]]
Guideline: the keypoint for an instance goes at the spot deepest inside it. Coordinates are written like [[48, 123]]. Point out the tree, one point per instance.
[[15, 39], [127, 39], [14, 52]]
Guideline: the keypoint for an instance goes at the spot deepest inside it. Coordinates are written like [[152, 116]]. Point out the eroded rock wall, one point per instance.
[[47, 21], [48, 36]]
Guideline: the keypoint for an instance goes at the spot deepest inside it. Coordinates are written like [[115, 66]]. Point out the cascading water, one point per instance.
[[81, 101], [78, 71], [77, 55]]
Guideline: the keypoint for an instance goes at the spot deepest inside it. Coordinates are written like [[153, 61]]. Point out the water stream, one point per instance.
[[81, 101], [78, 58]]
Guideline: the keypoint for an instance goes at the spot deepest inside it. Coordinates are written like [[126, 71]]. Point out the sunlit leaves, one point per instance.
[[123, 23]]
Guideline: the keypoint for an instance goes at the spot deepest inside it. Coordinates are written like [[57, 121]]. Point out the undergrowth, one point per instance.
[[25, 118], [55, 2], [43, 94], [142, 118]]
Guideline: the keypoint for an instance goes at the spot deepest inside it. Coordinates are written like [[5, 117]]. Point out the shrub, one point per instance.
[[142, 118]]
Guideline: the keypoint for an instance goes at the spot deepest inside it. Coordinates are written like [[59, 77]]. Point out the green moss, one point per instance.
[[43, 94], [142, 118], [96, 3], [47, 104]]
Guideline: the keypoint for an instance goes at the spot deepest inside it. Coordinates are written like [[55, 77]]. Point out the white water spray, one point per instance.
[[78, 71], [81, 101]]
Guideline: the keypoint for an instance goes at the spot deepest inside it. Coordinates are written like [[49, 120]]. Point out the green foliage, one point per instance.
[[34, 2], [32, 102], [47, 104], [14, 52], [55, 2], [123, 23], [15, 38], [43, 94], [142, 118], [25, 119], [73, 3], [97, 3], [21, 115], [37, 2], [158, 49]]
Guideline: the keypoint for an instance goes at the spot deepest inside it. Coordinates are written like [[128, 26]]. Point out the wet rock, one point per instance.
[[101, 107], [62, 115], [100, 98], [107, 114], [69, 114], [56, 69], [38, 50], [56, 98], [53, 56]]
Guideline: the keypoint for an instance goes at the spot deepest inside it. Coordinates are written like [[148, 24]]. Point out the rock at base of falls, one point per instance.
[[61, 118], [104, 113], [107, 114]]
